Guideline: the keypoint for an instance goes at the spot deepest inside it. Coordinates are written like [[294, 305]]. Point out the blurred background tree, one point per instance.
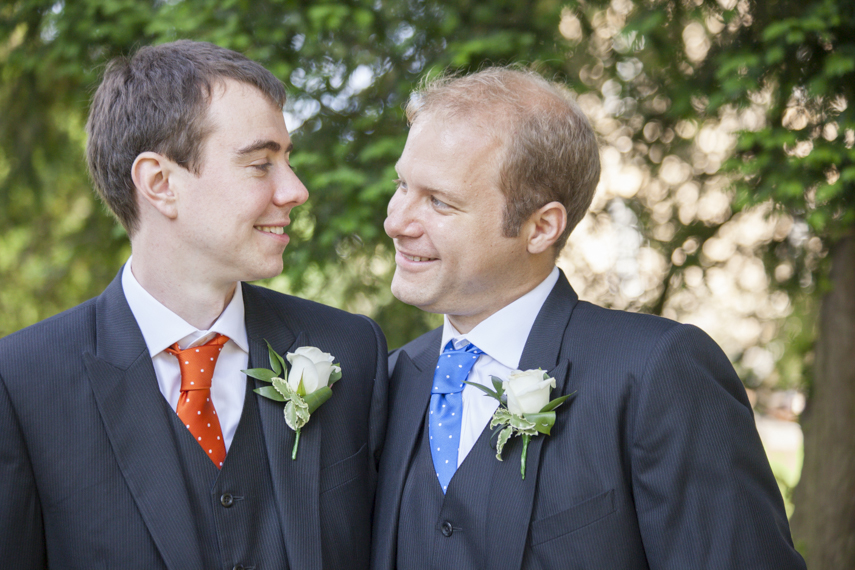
[[748, 105], [726, 197]]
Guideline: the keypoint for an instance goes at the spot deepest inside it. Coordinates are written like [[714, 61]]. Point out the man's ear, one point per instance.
[[155, 178], [545, 226]]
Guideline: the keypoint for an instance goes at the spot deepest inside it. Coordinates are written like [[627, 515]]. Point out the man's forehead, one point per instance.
[[477, 122], [465, 139], [241, 122], [451, 159]]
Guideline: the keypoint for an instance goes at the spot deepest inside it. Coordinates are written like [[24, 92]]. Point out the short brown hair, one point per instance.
[[550, 149], [157, 100]]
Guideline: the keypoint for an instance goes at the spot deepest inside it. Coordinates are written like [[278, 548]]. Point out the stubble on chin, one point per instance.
[[398, 291], [406, 291]]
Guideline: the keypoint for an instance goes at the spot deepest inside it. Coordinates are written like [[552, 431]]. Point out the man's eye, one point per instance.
[[438, 203], [399, 184], [263, 167]]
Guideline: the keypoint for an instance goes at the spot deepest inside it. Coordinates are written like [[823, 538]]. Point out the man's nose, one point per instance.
[[400, 217], [290, 190]]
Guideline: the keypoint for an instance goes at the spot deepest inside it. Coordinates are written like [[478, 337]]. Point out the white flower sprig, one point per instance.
[[524, 408], [308, 385]]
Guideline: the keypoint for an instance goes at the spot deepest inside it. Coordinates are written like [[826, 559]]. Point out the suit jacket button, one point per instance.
[[447, 529], [237, 567], [227, 500]]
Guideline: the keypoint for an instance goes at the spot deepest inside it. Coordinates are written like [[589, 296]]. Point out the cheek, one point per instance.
[[253, 206]]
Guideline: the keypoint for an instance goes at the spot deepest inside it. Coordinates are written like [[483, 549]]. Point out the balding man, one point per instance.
[[654, 461]]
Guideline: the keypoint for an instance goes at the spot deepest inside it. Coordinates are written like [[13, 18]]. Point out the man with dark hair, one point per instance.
[[653, 460], [131, 438]]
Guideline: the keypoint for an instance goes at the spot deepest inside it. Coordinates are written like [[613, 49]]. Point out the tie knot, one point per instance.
[[197, 362], [453, 368]]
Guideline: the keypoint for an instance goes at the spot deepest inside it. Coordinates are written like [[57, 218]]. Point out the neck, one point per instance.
[[465, 322], [186, 293]]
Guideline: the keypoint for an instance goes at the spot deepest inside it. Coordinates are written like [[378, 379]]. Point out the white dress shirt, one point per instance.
[[502, 337], [161, 328]]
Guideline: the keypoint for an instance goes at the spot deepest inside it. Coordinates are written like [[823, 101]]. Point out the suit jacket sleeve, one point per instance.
[[704, 493], [21, 533]]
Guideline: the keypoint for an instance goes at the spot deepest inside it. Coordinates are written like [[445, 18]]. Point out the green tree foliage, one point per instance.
[[782, 72]]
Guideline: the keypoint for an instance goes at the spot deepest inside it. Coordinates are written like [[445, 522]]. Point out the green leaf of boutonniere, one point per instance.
[[318, 397], [276, 361], [504, 436], [261, 373], [555, 403], [296, 413], [491, 393], [271, 393], [283, 388], [500, 389], [521, 424], [336, 375], [542, 422]]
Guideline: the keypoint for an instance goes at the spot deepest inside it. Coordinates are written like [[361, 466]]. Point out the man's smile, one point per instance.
[[405, 257], [278, 230], [417, 258]]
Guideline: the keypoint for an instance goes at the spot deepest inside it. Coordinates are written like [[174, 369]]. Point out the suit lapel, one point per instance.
[[545, 341], [137, 421], [411, 385], [295, 483], [511, 497]]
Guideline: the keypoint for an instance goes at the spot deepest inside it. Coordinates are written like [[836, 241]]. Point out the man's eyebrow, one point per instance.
[[262, 145]]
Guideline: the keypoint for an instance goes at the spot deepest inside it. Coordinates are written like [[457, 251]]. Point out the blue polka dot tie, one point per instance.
[[446, 407]]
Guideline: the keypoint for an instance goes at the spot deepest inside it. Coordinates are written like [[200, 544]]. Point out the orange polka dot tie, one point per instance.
[[195, 407]]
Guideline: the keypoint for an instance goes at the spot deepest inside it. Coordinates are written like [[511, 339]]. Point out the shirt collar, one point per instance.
[[161, 328], [503, 334]]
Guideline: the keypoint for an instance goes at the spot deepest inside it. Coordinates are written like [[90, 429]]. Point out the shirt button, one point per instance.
[[447, 529], [227, 500]]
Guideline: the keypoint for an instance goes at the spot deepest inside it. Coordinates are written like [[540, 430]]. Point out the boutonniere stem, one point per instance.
[[306, 388]]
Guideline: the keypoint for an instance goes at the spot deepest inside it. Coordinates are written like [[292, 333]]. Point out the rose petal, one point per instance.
[[324, 369], [314, 354], [302, 367], [513, 405]]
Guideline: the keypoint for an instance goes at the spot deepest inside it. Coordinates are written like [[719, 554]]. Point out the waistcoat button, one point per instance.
[[227, 500], [447, 529]]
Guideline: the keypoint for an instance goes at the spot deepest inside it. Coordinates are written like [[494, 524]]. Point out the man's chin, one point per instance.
[[263, 272], [410, 293]]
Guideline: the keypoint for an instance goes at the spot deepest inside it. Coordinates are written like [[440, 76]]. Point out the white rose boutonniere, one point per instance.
[[307, 387], [312, 367], [528, 392], [524, 408]]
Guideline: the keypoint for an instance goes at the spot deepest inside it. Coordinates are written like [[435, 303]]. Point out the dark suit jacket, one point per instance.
[[89, 476], [655, 463]]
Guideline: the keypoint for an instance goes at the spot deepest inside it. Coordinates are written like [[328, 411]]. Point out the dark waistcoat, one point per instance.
[[437, 531], [236, 517]]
